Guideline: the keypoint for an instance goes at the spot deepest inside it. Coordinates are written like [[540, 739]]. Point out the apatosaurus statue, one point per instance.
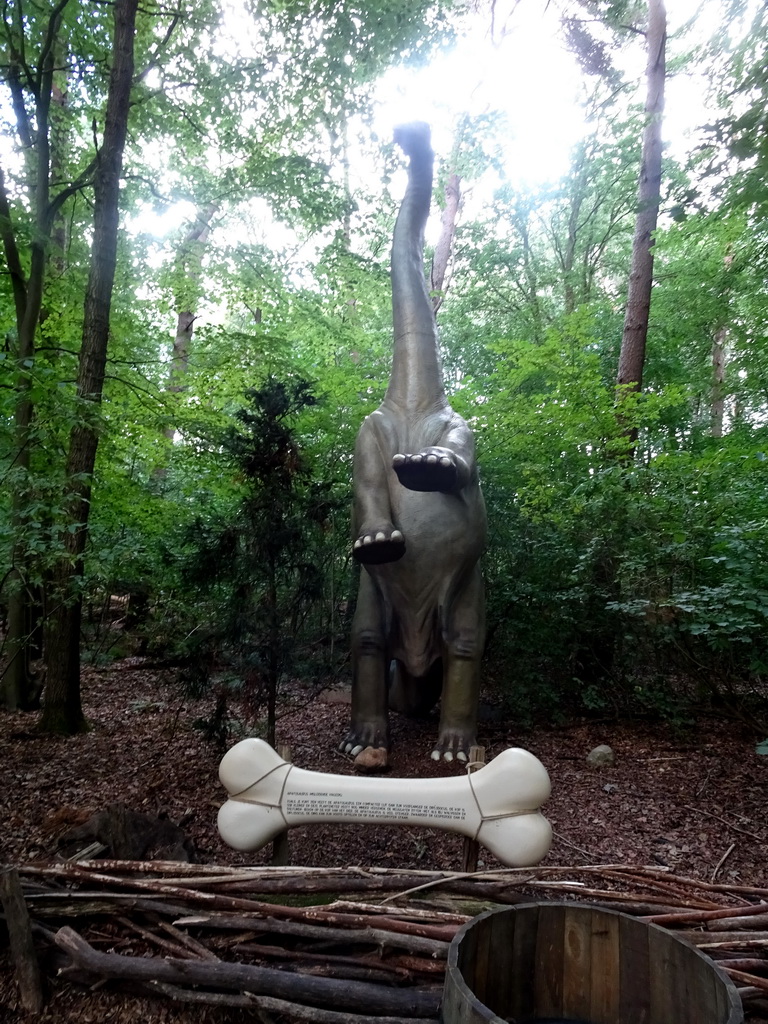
[[419, 523]]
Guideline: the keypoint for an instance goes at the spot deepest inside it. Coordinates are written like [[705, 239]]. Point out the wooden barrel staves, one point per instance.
[[568, 963]]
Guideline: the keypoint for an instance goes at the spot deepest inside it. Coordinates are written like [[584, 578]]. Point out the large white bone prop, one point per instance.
[[498, 805]]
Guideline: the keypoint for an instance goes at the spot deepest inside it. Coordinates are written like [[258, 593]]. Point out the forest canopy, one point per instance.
[[196, 209]]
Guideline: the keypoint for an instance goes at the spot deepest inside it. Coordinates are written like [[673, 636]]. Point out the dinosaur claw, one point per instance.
[[382, 543], [461, 756], [435, 755]]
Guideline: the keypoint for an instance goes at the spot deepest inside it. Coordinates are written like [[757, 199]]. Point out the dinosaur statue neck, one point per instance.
[[416, 380]]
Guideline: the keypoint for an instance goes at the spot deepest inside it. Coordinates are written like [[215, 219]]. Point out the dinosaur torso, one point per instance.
[[445, 535]]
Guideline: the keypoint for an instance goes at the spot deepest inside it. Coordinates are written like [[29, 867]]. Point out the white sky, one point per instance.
[[526, 73]]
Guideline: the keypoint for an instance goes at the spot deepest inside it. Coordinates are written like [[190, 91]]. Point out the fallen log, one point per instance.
[[203, 915], [745, 963], [318, 965], [293, 1010], [213, 889], [439, 933], [594, 895], [722, 940], [186, 940], [184, 949], [720, 914], [756, 921], [405, 913], [368, 936], [213, 885], [667, 887], [218, 902], [750, 980], [319, 992], [417, 963], [190, 874]]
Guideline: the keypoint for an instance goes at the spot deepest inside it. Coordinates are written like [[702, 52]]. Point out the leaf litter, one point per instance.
[[688, 803]]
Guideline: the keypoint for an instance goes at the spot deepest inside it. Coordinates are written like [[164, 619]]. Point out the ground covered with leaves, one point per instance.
[[692, 802]]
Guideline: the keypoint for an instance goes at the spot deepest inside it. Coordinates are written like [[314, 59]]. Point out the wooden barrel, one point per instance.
[[568, 962]]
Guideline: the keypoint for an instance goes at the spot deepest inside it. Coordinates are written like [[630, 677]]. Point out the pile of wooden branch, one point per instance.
[[242, 936]]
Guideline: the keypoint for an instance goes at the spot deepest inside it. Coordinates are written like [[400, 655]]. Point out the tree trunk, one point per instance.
[[720, 356], [568, 253], [190, 262], [718, 381], [63, 711], [530, 284], [349, 203], [19, 689], [273, 658], [444, 245], [633, 341], [341, 995]]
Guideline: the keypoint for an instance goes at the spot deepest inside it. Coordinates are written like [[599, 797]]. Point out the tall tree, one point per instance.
[[444, 245], [462, 162], [189, 268], [28, 72], [62, 710], [537, 257], [635, 333]]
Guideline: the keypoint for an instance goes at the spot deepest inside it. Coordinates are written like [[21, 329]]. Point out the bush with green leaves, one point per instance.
[[254, 571], [616, 587]]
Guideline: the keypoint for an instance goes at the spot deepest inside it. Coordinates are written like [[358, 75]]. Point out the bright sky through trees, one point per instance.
[[519, 69], [522, 69], [515, 68]]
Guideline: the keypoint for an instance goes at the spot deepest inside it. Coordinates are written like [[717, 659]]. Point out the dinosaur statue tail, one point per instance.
[[416, 378]]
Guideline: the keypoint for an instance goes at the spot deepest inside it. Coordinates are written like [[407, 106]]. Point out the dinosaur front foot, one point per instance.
[[360, 737], [426, 471], [453, 745], [378, 545], [367, 744]]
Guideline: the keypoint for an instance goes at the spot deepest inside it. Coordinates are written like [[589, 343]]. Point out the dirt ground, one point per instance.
[[693, 802]]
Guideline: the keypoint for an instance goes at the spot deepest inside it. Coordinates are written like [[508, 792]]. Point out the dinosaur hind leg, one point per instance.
[[369, 728], [463, 642]]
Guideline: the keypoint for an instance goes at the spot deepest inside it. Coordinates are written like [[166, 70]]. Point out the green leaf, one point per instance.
[[762, 748]]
